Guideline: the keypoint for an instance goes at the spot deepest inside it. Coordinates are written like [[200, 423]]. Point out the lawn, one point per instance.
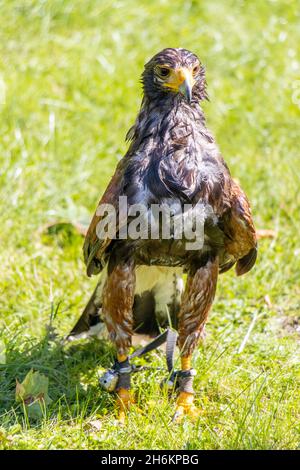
[[69, 91]]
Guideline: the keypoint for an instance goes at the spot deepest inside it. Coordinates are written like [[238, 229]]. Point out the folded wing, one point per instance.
[[240, 240], [94, 248]]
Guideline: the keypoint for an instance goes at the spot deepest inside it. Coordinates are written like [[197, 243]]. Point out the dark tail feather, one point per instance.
[[90, 316], [246, 263]]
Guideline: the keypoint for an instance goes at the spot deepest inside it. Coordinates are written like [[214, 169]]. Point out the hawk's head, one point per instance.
[[176, 71]]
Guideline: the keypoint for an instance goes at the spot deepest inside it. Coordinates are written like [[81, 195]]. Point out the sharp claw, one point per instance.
[[178, 415], [185, 406]]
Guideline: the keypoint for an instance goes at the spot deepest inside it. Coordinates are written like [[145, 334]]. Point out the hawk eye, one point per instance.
[[163, 72], [196, 70]]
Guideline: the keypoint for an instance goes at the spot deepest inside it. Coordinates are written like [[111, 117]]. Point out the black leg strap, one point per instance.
[[168, 336], [119, 375], [124, 370], [124, 381], [181, 380], [185, 380]]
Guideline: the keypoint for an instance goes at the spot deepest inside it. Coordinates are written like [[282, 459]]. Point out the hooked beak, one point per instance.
[[182, 81], [187, 84]]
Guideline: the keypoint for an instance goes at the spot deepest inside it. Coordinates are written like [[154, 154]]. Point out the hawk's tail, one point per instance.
[[90, 322]]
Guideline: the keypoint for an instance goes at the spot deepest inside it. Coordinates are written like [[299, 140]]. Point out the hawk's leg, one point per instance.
[[117, 303], [196, 302]]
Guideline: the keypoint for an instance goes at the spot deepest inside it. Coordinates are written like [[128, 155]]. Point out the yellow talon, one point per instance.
[[185, 401], [125, 400], [185, 406]]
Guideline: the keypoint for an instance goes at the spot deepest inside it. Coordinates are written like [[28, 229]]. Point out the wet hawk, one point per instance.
[[172, 160]]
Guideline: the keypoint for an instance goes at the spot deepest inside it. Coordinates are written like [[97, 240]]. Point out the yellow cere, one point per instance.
[[178, 77]]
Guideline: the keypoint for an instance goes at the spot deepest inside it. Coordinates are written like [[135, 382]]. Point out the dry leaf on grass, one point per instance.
[[33, 392]]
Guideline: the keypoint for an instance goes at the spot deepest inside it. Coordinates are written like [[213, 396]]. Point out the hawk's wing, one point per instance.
[[241, 241], [94, 248]]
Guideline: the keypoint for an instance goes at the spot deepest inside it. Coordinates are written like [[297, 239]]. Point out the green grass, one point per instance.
[[71, 70]]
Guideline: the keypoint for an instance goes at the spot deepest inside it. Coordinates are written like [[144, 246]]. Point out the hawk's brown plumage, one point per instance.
[[172, 159]]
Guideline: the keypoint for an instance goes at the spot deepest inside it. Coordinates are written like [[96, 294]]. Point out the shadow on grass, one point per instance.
[[70, 368]]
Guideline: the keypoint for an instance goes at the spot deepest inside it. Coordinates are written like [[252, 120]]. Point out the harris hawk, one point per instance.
[[172, 160]]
